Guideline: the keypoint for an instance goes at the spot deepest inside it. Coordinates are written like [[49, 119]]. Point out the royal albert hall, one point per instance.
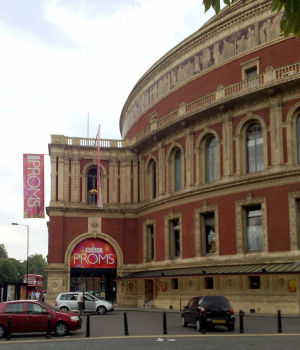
[[202, 194]]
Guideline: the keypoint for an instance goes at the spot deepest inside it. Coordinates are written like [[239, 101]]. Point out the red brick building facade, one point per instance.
[[202, 195]]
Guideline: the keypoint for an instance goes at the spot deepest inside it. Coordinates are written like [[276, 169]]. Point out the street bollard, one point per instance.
[[87, 333], [279, 326], [8, 328], [125, 324], [48, 327], [241, 313], [165, 323]]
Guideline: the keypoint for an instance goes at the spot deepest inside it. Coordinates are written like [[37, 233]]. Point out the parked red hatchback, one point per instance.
[[31, 316]]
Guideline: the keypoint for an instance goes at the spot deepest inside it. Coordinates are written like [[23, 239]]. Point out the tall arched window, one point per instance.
[[153, 171], [211, 160], [177, 170], [92, 186], [298, 137], [255, 152]]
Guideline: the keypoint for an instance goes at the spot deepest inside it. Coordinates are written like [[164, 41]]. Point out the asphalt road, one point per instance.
[[145, 330]]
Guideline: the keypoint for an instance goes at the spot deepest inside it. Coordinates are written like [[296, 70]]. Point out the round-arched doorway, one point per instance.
[[93, 268]]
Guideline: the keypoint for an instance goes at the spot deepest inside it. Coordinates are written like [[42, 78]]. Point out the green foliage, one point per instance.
[[3, 252], [290, 21], [11, 270], [14, 270]]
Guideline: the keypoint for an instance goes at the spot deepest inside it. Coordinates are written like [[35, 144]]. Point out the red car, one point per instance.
[[32, 316]]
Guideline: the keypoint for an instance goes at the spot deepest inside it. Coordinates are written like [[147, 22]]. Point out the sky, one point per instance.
[[60, 61]]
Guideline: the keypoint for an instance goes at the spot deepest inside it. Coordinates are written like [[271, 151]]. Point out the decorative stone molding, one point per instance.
[[241, 224]]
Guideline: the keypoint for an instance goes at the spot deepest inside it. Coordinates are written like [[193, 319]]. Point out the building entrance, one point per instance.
[[94, 268], [100, 282]]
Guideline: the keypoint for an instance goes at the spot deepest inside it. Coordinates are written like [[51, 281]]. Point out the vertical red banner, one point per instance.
[[33, 181]]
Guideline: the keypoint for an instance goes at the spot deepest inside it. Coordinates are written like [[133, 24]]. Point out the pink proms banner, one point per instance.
[[94, 253], [33, 180]]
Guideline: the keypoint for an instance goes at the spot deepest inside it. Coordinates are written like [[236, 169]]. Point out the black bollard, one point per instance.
[[125, 324], [279, 321], [241, 313], [48, 328], [165, 323], [87, 333], [8, 328]]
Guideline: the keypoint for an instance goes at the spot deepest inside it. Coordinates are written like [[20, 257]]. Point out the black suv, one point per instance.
[[208, 311]]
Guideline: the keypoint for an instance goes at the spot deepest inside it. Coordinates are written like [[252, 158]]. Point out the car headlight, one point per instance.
[[74, 318]]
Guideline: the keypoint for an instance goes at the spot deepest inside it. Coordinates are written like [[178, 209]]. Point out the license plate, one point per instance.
[[219, 321]]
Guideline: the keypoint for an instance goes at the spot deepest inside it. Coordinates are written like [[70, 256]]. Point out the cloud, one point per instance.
[[62, 59]]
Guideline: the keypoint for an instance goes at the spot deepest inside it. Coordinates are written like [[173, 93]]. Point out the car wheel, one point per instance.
[[183, 323], [2, 331], [231, 328], [101, 310], [61, 329], [64, 308]]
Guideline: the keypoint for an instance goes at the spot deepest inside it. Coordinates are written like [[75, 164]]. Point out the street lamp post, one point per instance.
[[27, 254]]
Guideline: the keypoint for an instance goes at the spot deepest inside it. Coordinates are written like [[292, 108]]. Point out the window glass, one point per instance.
[[177, 170], [216, 301], [255, 156], [298, 137], [254, 229], [210, 234], [92, 186], [175, 239], [211, 160], [150, 242], [209, 282], [153, 180], [254, 282], [35, 308], [14, 308]]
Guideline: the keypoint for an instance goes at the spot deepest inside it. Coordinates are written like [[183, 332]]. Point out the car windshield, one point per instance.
[[214, 301]]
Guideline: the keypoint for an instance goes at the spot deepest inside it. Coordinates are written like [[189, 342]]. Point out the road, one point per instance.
[[146, 332]]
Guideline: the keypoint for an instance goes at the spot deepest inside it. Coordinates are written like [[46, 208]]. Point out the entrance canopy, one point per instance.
[[93, 253], [292, 268]]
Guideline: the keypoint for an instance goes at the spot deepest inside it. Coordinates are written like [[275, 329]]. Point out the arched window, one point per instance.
[[255, 152], [153, 171], [92, 186], [298, 137], [211, 160], [177, 170]]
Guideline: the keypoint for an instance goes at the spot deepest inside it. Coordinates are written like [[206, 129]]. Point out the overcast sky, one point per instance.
[[61, 59]]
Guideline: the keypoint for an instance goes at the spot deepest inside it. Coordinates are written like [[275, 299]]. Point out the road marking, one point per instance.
[[173, 336]]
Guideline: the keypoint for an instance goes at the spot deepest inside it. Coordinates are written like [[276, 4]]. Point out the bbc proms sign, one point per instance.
[[94, 253], [33, 186]]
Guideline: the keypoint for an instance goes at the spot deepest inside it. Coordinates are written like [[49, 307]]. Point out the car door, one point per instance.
[[89, 303], [17, 316], [194, 310], [188, 311], [37, 318]]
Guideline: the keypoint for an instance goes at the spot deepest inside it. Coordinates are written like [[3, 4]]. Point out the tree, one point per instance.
[[290, 21], [3, 252], [11, 270]]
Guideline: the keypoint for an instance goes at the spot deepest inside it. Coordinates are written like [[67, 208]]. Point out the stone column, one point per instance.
[[161, 168], [61, 163], [135, 181], [53, 177], [275, 112], [142, 177], [75, 177], [189, 157], [227, 144], [113, 181]]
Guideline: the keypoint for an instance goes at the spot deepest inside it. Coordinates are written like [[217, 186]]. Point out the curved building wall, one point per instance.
[[202, 195]]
